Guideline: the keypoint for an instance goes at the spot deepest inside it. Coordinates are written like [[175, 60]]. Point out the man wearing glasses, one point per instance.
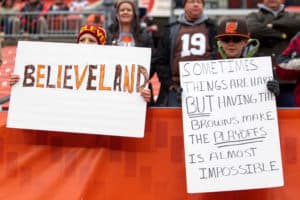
[[191, 37]]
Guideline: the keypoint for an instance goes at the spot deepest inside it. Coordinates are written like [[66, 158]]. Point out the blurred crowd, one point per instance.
[[269, 31]]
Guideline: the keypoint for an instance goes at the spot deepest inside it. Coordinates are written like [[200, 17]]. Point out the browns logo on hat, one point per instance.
[[233, 27], [97, 31]]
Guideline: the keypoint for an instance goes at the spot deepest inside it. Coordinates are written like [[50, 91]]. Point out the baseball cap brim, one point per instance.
[[232, 34]]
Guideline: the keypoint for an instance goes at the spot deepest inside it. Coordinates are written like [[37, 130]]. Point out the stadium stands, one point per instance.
[[55, 30]]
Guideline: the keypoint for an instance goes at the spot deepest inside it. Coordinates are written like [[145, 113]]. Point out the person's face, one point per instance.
[[125, 13], [233, 45], [273, 4], [87, 38], [193, 9]]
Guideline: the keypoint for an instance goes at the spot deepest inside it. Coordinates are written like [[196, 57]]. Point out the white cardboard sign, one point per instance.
[[78, 88], [231, 135]]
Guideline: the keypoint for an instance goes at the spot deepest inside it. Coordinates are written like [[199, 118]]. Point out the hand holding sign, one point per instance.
[[81, 91], [230, 125]]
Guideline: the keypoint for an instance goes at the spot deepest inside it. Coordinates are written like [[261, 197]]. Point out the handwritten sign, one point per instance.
[[230, 125], [80, 88]]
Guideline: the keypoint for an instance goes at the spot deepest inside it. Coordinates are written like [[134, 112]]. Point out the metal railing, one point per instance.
[[47, 24], [67, 23]]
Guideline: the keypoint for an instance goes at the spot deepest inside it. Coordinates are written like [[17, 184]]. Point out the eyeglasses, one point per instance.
[[234, 39]]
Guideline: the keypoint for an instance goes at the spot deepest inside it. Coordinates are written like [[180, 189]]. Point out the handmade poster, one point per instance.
[[77, 88], [231, 135]]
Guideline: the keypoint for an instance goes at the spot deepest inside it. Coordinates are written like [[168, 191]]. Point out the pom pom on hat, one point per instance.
[[97, 31]]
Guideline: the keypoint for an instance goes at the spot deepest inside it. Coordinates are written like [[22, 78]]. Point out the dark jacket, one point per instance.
[[33, 7], [30, 22], [162, 59], [273, 39], [288, 67]]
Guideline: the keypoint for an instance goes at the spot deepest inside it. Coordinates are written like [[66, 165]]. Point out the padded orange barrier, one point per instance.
[[53, 165]]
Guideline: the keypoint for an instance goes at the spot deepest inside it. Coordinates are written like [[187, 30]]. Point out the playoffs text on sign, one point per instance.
[[230, 124], [80, 88]]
